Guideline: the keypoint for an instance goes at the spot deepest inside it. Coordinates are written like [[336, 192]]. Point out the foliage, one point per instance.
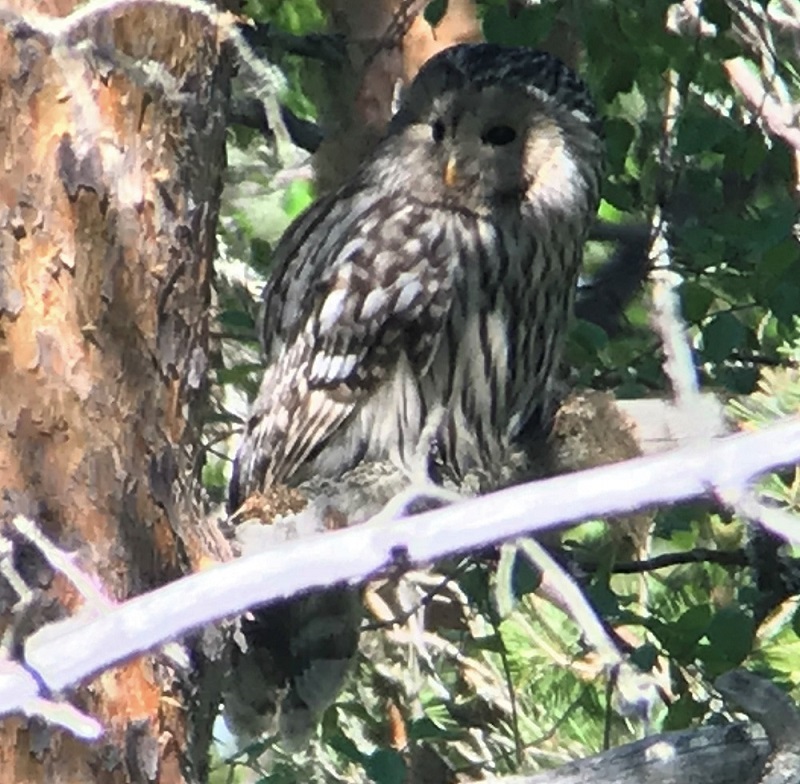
[[485, 692]]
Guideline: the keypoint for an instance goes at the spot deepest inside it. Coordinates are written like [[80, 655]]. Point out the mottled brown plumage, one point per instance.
[[417, 316]]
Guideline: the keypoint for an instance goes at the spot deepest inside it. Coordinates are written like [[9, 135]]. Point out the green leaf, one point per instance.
[[526, 578], [474, 581], [682, 636], [588, 336], [737, 380], [385, 766], [608, 212], [693, 623], [718, 13], [260, 254], [427, 729], [773, 226], [619, 137], [489, 642], [619, 75], [214, 474], [645, 656], [777, 260], [784, 300], [730, 634], [529, 27], [299, 195], [700, 132], [754, 153], [238, 319], [721, 335], [342, 744], [238, 374], [619, 194], [435, 11], [683, 712], [696, 299]]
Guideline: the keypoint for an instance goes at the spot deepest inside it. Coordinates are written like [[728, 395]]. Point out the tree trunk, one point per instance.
[[112, 149], [387, 41]]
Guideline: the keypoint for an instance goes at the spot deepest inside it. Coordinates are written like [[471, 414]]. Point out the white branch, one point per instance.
[[60, 656]]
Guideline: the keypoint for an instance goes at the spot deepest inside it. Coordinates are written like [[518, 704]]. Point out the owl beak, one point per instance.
[[450, 174]]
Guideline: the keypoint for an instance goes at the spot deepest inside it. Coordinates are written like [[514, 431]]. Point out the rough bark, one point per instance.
[[109, 193]]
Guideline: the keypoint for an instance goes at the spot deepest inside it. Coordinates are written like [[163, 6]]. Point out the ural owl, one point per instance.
[[417, 315]]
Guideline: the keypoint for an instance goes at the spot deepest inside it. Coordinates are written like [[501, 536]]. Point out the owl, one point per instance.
[[416, 317]]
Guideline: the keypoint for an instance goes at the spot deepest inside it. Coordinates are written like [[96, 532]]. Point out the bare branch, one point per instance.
[[711, 755], [776, 713], [250, 113], [780, 118], [331, 49], [668, 560], [20, 692], [59, 655]]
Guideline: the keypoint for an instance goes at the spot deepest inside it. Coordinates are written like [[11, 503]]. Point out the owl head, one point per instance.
[[489, 129]]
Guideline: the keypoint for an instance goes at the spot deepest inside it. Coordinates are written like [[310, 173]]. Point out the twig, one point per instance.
[[699, 555], [62, 562], [571, 599], [20, 692], [331, 49], [250, 113], [667, 319]]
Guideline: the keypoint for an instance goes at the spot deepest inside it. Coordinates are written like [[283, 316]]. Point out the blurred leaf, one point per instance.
[[345, 747], [261, 254], [214, 474], [528, 28], [238, 373], [299, 195], [721, 335], [730, 634], [474, 581], [696, 300], [755, 152], [699, 132], [608, 212], [645, 657], [238, 319], [385, 766], [525, 578], [619, 136], [426, 729], [619, 195], [589, 337], [490, 642], [619, 74], [718, 13], [683, 712], [435, 11], [682, 636]]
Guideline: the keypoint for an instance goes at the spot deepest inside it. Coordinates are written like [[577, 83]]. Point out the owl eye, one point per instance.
[[498, 135], [437, 131]]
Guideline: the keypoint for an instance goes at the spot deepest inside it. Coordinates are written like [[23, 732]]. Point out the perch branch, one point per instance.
[[60, 657]]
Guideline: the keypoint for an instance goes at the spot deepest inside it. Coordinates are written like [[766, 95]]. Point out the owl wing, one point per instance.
[[359, 280]]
